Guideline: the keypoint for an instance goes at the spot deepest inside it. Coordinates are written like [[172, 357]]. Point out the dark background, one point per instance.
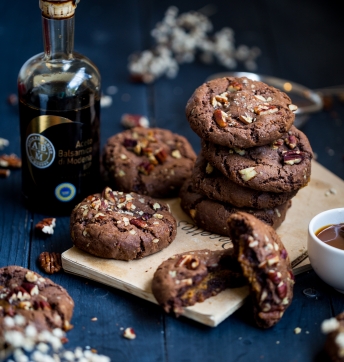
[[299, 40]]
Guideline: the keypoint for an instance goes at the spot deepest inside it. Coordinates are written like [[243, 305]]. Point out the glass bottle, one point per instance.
[[59, 109]]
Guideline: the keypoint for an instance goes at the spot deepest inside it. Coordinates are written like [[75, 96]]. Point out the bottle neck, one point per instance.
[[58, 38]]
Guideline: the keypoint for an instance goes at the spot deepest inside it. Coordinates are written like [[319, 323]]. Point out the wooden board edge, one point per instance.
[[72, 267]]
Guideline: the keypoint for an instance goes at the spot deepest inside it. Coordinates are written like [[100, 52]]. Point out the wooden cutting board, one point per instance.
[[325, 191]]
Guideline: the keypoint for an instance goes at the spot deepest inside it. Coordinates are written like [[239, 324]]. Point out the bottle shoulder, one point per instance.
[[38, 68]]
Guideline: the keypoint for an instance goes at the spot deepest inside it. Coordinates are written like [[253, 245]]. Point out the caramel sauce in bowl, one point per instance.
[[332, 235], [326, 247]]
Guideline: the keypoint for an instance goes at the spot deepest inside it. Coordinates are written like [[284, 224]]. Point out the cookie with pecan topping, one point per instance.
[[28, 298], [209, 181], [239, 112], [266, 265], [121, 226], [192, 277], [282, 166], [212, 215], [152, 161]]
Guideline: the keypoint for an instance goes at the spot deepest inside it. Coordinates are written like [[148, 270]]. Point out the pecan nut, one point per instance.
[[161, 155], [145, 167], [190, 262], [46, 226], [138, 223], [246, 119], [265, 109], [248, 173], [4, 173], [50, 262], [234, 87], [220, 118], [10, 161], [293, 157]]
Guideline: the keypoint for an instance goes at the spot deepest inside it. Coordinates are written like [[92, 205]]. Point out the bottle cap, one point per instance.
[[58, 9]]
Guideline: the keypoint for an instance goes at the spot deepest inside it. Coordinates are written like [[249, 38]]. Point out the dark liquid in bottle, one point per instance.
[[60, 146], [332, 235]]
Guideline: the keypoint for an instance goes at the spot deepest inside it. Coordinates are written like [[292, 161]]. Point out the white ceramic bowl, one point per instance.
[[326, 260]]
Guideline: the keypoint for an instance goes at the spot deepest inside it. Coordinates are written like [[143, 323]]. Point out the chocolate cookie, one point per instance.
[[121, 226], [334, 345], [283, 166], [212, 215], [152, 162], [265, 263], [28, 298], [210, 182], [192, 277], [239, 112]]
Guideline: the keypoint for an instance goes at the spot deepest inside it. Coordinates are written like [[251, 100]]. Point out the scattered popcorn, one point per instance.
[[179, 39]]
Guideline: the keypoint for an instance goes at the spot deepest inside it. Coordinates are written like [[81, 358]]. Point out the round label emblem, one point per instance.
[[40, 151], [65, 192]]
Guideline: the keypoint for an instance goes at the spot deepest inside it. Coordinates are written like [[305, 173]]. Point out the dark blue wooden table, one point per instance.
[[300, 41]]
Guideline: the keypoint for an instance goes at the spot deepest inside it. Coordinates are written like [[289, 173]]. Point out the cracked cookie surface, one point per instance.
[[191, 277], [152, 161], [210, 182], [282, 166], [239, 112], [212, 215], [123, 226], [265, 263], [28, 298]]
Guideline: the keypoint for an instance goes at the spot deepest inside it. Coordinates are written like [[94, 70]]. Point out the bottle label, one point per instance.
[[59, 152], [39, 150]]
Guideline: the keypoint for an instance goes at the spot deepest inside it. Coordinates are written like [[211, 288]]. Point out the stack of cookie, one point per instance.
[[252, 159]]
